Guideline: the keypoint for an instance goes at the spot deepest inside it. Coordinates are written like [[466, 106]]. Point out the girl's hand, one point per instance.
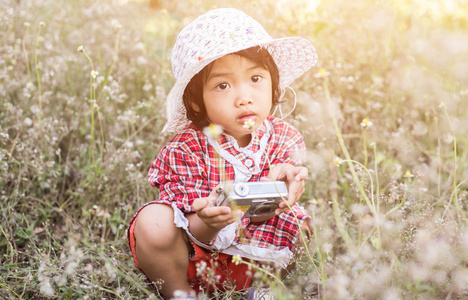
[[210, 219], [213, 216], [294, 178]]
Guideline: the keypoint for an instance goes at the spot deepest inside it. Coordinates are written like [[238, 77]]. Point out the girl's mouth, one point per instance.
[[247, 116]]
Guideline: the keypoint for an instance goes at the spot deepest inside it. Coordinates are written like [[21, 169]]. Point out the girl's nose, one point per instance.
[[244, 96]]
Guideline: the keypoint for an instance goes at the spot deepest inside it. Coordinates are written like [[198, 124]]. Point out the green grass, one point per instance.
[[75, 150]]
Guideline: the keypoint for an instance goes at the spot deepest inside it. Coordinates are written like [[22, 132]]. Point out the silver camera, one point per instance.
[[254, 198]]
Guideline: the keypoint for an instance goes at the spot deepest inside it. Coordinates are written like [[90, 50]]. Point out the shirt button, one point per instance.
[[248, 162]]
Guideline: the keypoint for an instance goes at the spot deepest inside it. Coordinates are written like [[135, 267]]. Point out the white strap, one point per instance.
[[279, 105]]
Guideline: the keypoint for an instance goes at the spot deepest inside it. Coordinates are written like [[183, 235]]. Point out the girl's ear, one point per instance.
[[195, 106]]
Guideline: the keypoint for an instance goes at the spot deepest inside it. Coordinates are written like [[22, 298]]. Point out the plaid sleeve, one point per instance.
[[288, 145], [180, 175]]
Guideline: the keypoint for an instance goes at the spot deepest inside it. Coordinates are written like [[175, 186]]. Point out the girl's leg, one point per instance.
[[162, 249]]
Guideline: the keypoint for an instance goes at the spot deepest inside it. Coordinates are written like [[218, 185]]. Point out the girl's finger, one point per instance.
[[301, 173], [220, 221], [215, 211], [199, 203]]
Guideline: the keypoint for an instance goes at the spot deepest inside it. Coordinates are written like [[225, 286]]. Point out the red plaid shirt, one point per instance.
[[188, 168]]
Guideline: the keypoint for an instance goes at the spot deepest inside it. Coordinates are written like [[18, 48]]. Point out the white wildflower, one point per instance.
[[337, 161], [213, 131], [27, 122], [366, 123], [237, 259], [178, 294], [46, 287], [327, 247], [321, 73], [408, 174], [250, 125]]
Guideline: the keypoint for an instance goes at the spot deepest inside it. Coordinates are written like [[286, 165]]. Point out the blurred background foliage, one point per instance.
[[73, 163]]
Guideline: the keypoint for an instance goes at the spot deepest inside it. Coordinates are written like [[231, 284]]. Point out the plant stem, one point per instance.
[[336, 209], [254, 266], [294, 214], [319, 253], [364, 144], [116, 58], [91, 144], [26, 57], [402, 201], [102, 136], [1, 284], [38, 74], [12, 254], [377, 183], [350, 164], [451, 198], [345, 150], [92, 99], [455, 167]]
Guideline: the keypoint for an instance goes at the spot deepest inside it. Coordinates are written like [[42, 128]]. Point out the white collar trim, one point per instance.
[[241, 172]]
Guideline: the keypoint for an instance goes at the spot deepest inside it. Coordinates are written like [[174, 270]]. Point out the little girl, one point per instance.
[[231, 73]]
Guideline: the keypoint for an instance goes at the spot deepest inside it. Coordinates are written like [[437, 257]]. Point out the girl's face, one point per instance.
[[237, 90]]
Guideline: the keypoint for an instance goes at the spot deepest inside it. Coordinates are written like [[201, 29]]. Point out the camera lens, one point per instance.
[[264, 209], [241, 189]]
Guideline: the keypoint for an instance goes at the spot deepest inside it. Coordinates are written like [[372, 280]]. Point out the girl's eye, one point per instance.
[[222, 86], [256, 78]]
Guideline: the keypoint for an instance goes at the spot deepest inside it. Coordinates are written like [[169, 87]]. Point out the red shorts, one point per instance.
[[217, 271]]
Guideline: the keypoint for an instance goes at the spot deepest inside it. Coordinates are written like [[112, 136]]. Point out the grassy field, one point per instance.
[[384, 115]]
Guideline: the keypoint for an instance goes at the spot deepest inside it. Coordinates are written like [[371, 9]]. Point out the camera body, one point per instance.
[[254, 198]]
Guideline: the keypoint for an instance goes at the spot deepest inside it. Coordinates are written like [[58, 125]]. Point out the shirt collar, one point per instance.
[[226, 140]]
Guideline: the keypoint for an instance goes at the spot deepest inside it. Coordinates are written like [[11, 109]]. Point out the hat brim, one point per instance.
[[293, 57]]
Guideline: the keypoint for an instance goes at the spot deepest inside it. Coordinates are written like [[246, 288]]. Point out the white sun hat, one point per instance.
[[220, 32]]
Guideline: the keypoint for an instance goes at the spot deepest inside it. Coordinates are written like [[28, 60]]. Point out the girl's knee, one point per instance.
[[155, 227]]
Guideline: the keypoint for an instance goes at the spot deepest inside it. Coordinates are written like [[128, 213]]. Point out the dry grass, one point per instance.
[[389, 212]]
